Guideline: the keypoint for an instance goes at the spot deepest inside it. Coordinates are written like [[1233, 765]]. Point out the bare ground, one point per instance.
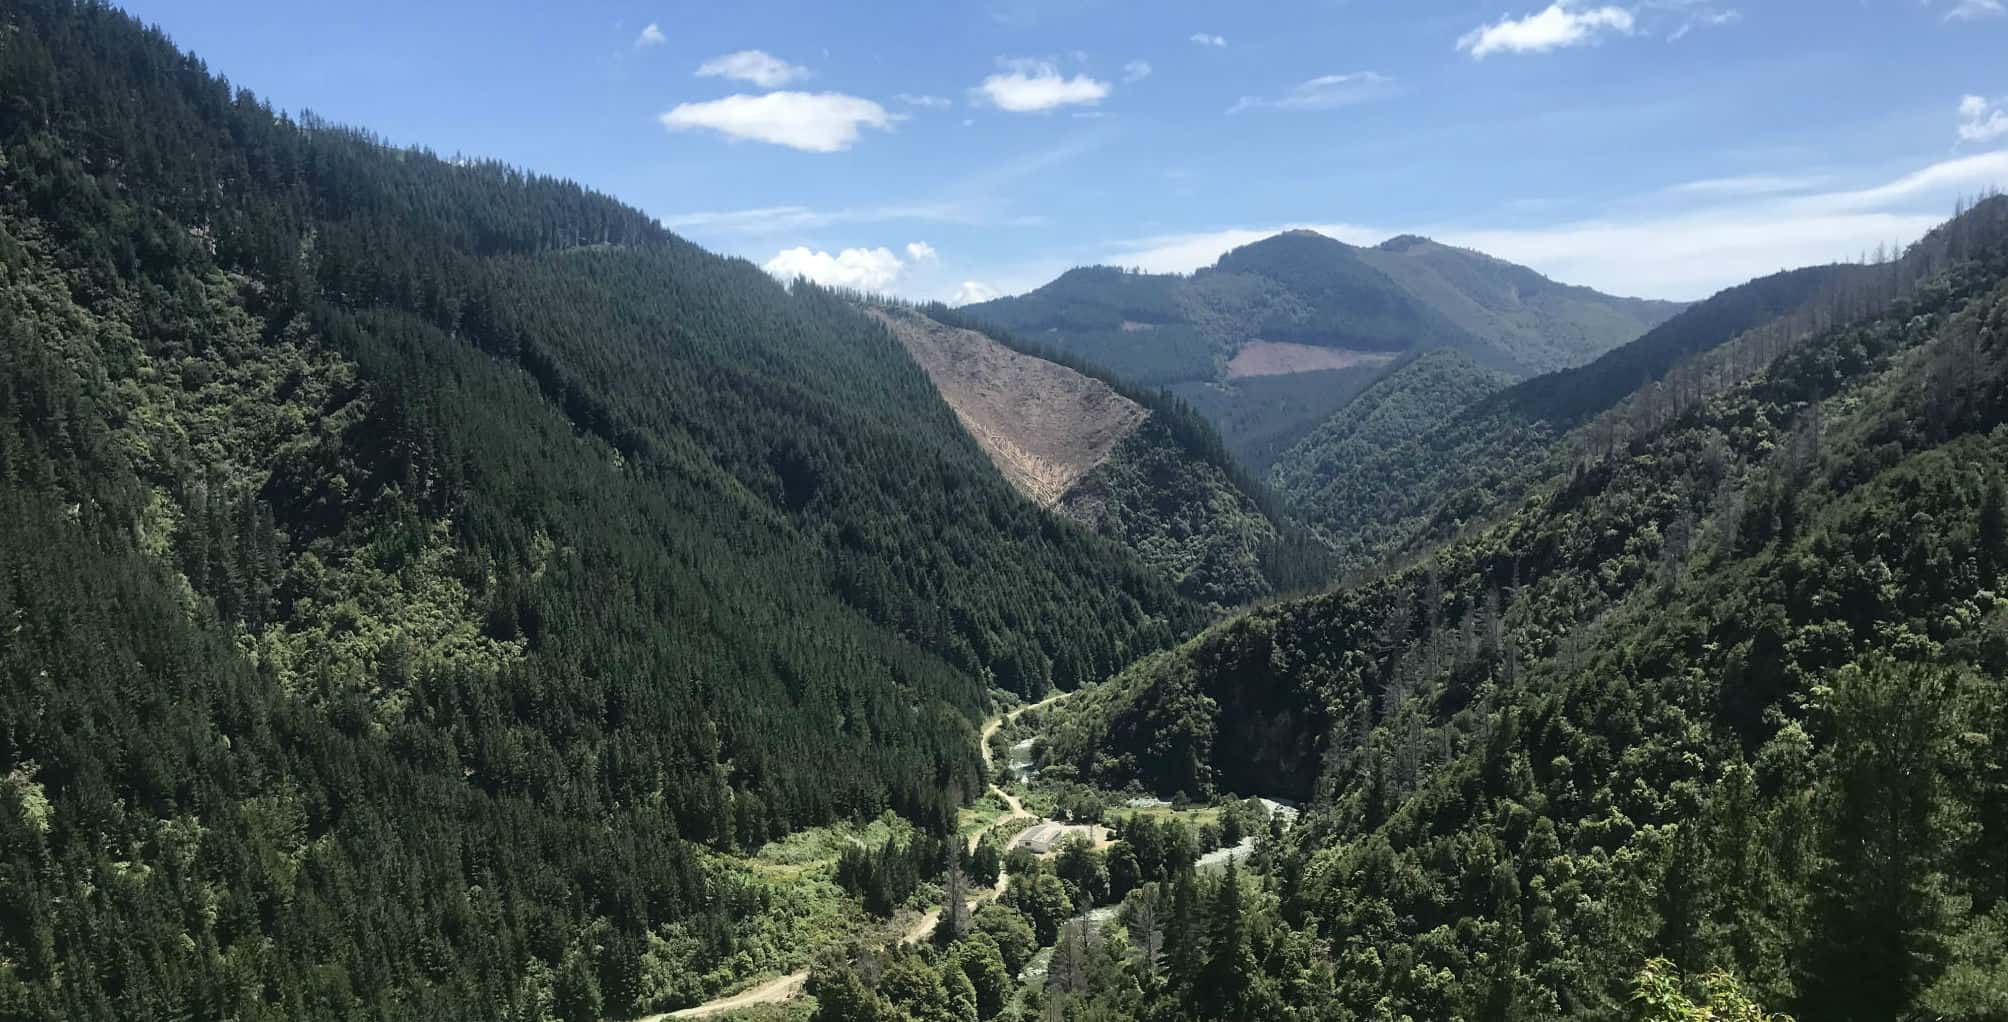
[[1278, 358], [1043, 425]]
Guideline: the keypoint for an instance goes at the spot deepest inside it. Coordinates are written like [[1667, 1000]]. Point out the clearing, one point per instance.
[[1043, 425], [1279, 358], [785, 988]]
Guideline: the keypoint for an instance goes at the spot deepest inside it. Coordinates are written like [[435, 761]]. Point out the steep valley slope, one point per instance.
[[1043, 425], [1152, 478], [417, 576], [1726, 694]]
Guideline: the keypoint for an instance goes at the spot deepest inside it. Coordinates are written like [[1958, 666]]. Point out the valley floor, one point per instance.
[[782, 989]]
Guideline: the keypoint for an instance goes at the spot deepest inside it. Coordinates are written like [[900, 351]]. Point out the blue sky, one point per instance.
[[1664, 148]]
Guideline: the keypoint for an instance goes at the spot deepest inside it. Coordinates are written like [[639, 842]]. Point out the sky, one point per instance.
[[959, 150]]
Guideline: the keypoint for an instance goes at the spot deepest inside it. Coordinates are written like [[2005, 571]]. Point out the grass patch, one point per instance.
[[820, 846]]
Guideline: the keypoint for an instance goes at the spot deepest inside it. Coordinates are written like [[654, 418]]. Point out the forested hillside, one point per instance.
[[1322, 305], [1414, 399], [412, 571], [1538, 324], [1726, 697], [1168, 490], [1260, 417], [1468, 463]]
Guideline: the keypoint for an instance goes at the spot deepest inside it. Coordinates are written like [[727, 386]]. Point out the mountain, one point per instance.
[[1128, 463], [416, 576], [1717, 705], [1299, 304], [1462, 464]]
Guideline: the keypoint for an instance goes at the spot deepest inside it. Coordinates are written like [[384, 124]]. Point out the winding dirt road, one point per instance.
[[785, 988]]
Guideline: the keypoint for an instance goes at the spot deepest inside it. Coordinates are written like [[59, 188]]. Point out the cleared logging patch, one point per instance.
[[1280, 358], [1043, 425]]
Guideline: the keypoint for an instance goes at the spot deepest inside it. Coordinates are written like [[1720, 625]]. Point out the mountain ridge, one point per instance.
[[1303, 288]]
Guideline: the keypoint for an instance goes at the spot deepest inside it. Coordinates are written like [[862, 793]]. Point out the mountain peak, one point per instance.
[[1403, 242]]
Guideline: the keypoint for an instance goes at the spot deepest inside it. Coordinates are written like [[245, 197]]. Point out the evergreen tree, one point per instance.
[[1881, 895]]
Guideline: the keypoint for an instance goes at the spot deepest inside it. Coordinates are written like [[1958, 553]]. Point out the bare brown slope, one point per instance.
[[1044, 425]]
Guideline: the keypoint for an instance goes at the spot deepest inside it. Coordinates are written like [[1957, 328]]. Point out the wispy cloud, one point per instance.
[[1035, 86], [1945, 180], [755, 66], [1206, 39], [772, 220], [1667, 252], [1136, 70], [1694, 17], [1324, 92], [928, 102], [1968, 10], [1563, 23], [1982, 119], [820, 122], [974, 200], [651, 35], [921, 251], [1753, 184]]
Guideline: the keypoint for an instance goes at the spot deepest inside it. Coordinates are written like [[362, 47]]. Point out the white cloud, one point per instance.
[[930, 102], [651, 35], [1754, 184], [820, 122], [920, 251], [1702, 17], [755, 66], [1665, 252], [1136, 70], [1205, 39], [1967, 10], [1325, 92], [767, 220], [973, 291], [1944, 181], [867, 269], [1031, 86], [1563, 23], [1981, 120]]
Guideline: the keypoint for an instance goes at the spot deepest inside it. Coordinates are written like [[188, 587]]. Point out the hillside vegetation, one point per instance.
[[1414, 399], [1303, 289], [1260, 417], [1726, 698], [413, 571], [1164, 488], [1465, 465]]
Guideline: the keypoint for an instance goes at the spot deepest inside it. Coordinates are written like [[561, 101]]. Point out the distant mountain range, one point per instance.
[[1277, 335]]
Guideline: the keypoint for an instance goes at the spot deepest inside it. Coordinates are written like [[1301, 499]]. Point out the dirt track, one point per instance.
[[1043, 425], [785, 988]]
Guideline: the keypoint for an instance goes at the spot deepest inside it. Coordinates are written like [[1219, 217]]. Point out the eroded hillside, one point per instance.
[[1129, 464], [1045, 426]]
